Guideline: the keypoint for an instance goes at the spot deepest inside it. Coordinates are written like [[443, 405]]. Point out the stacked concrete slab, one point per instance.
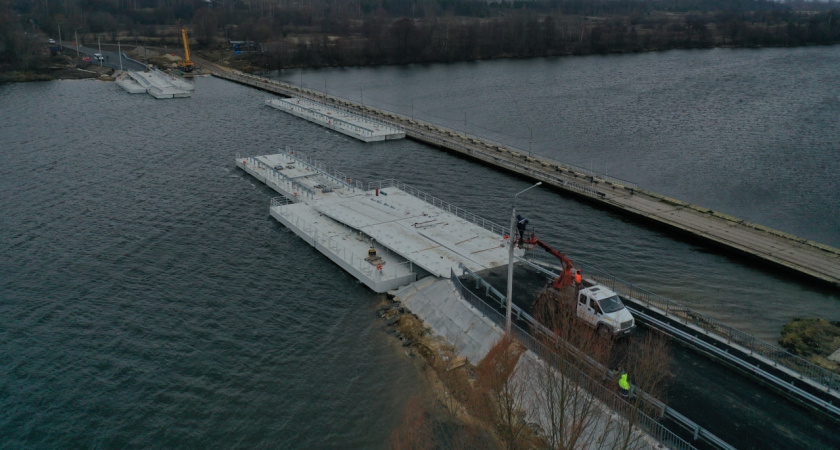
[[155, 83]]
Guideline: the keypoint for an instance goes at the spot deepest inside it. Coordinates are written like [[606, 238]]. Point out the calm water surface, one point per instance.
[[147, 298], [754, 133]]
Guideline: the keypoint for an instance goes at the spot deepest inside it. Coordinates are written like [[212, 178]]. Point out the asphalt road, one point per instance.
[[112, 59], [743, 413]]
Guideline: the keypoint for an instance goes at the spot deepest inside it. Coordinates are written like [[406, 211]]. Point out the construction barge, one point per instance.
[[384, 235]]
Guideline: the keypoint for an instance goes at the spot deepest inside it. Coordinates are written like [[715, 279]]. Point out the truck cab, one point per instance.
[[602, 309]]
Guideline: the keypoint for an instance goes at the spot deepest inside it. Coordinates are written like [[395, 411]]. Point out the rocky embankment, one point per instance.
[[462, 409]]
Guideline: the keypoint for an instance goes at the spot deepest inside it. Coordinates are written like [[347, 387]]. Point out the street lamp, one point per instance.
[[76, 33], [59, 36], [511, 241]]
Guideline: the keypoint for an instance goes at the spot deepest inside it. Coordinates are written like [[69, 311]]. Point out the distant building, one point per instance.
[[242, 45]]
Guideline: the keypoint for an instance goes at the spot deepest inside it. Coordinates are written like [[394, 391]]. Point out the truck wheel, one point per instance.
[[603, 331]]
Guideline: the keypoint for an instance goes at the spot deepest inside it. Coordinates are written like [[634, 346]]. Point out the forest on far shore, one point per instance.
[[290, 33]]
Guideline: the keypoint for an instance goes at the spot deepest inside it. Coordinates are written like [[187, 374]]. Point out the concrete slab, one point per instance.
[[441, 307]]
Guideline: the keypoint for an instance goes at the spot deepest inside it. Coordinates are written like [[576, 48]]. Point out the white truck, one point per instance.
[[602, 309], [597, 305]]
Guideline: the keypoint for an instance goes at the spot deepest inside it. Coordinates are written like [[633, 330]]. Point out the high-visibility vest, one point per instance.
[[623, 384]]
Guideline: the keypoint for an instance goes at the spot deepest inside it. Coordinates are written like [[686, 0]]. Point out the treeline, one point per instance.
[[362, 32], [529, 34]]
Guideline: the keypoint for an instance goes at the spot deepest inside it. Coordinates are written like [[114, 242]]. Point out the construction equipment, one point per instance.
[[596, 305], [186, 65], [569, 276]]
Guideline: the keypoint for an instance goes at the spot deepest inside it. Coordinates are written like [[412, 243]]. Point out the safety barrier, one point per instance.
[[326, 118], [320, 166], [277, 177], [608, 397], [829, 380], [309, 105]]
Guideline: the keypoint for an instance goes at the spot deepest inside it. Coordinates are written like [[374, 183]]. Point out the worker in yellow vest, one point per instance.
[[623, 385]]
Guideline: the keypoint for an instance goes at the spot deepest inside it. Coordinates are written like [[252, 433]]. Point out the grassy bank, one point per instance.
[[813, 339]]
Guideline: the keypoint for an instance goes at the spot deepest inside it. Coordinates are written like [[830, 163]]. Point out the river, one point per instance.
[[148, 299]]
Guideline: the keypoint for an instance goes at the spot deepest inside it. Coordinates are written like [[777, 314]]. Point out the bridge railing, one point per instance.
[[320, 166], [274, 175], [825, 378], [328, 118], [434, 201], [608, 397]]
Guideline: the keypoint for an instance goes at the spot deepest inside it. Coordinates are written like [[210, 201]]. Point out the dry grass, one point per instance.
[[466, 404]]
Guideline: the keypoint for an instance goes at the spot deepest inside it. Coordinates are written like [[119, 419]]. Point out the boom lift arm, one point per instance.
[[569, 275]]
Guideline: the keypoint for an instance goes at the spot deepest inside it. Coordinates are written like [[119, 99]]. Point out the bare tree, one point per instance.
[[573, 406], [414, 431], [497, 380]]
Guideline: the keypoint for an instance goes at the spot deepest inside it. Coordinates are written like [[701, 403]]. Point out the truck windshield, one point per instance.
[[611, 304]]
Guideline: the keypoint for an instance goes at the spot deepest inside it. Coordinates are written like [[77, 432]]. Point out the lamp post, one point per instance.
[[76, 33], [59, 36], [99, 43], [511, 241]]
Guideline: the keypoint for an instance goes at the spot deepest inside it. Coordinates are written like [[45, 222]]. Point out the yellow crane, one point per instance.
[[186, 65]]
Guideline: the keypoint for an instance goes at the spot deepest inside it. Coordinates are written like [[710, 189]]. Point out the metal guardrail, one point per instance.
[[277, 176], [434, 201], [734, 360], [829, 380], [609, 398], [339, 177], [807, 371], [327, 118]]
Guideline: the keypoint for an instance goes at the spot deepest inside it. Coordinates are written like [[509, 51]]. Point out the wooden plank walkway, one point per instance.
[[816, 260]]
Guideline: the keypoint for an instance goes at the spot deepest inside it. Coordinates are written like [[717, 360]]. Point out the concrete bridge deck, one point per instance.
[[816, 260]]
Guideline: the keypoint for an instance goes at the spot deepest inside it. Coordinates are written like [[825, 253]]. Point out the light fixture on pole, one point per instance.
[[59, 36], [511, 242]]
